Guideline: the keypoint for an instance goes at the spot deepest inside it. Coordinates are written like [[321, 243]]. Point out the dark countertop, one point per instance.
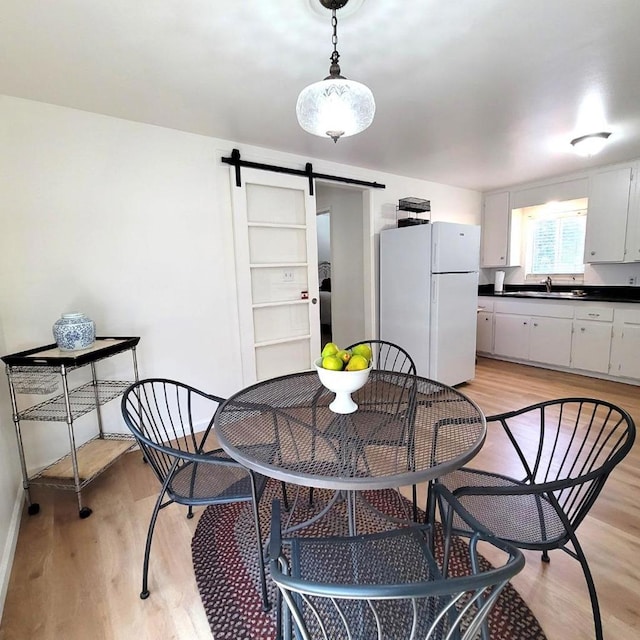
[[597, 293]]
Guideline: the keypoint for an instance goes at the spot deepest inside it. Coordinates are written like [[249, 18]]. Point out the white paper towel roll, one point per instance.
[[499, 282]]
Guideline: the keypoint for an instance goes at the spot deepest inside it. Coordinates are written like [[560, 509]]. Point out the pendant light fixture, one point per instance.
[[335, 106], [590, 144]]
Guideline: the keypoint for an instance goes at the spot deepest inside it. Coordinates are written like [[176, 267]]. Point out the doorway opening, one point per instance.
[[323, 230], [345, 264]]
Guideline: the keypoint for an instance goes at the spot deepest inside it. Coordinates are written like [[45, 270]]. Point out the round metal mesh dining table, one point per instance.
[[406, 430]]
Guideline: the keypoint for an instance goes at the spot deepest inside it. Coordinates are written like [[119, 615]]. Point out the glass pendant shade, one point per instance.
[[590, 144], [335, 107]]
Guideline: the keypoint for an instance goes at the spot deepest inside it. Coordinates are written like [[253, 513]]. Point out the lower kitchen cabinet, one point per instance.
[[591, 346], [484, 334], [550, 340], [536, 338], [625, 345], [602, 339], [511, 336], [591, 343]]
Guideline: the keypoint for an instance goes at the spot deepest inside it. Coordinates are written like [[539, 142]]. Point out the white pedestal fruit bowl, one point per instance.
[[343, 384]]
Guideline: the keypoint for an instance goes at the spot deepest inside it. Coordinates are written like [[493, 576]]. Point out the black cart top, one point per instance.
[[51, 356]]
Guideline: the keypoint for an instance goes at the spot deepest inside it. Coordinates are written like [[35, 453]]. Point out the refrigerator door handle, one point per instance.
[[434, 291]]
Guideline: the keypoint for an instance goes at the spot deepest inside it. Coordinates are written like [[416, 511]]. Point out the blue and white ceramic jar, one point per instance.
[[74, 331]]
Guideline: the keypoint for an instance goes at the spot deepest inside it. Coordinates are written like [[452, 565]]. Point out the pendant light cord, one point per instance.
[[334, 69]]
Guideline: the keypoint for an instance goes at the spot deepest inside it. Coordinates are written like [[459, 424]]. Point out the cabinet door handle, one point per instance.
[[582, 329], [593, 315], [524, 323], [593, 253], [535, 324]]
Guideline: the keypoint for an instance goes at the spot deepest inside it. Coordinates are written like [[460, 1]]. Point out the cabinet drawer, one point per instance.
[[628, 316], [548, 309], [485, 304], [603, 314]]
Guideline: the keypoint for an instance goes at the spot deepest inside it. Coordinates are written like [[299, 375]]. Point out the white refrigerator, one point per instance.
[[429, 296]]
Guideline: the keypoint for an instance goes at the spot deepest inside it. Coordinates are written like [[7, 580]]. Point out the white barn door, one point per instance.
[[276, 272]]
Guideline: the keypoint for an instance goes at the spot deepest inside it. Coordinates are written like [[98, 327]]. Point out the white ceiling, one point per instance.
[[474, 93]]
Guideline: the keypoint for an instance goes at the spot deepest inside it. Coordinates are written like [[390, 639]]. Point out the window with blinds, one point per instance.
[[553, 238]]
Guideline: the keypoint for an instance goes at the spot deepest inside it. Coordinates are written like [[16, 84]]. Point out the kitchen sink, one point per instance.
[[542, 294]]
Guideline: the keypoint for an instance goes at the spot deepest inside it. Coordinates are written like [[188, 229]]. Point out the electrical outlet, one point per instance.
[[287, 276], [632, 280]]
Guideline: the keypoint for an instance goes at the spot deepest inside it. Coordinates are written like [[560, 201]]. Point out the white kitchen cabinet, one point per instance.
[[484, 335], [550, 340], [632, 253], [533, 331], [591, 346], [591, 343], [625, 345], [511, 336], [495, 230], [609, 193], [484, 329], [599, 338]]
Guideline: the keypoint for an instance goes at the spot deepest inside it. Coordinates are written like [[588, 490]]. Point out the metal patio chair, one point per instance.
[[562, 452], [388, 584], [385, 407], [164, 416]]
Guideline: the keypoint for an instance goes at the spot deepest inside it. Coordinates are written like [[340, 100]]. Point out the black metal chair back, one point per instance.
[[387, 356], [391, 395], [172, 422], [389, 584], [558, 457]]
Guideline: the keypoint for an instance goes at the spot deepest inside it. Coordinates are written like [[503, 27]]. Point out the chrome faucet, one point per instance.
[[547, 283]]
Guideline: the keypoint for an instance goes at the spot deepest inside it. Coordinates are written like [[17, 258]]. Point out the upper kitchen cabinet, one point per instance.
[[496, 215], [632, 253], [609, 195]]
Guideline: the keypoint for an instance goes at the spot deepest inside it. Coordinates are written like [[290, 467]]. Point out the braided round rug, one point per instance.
[[225, 563]]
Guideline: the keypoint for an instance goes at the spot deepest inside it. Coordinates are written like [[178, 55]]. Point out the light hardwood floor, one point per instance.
[[74, 579]]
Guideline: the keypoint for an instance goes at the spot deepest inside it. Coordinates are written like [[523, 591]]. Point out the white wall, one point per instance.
[[9, 485], [323, 230], [131, 224]]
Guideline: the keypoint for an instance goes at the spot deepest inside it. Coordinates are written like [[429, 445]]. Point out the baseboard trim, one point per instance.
[[9, 551], [577, 372]]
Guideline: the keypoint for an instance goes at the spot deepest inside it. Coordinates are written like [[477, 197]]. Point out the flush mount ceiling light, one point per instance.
[[335, 106], [591, 143]]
